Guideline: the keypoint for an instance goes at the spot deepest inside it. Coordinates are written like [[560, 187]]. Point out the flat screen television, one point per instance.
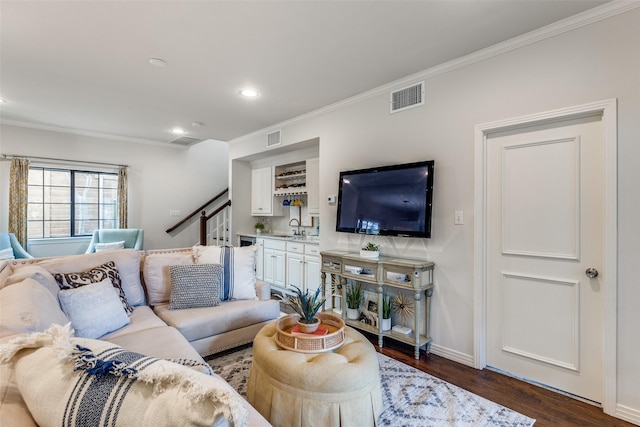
[[388, 201]]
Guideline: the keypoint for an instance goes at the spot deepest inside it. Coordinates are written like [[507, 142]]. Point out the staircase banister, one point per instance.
[[196, 211]]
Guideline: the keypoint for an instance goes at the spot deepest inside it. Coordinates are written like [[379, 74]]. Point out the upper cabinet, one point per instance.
[[275, 188], [262, 191]]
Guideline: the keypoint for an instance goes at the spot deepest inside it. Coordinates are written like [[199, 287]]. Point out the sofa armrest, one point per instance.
[[263, 290]]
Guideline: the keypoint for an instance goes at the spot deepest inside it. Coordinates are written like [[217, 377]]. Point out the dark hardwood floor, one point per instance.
[[548, 408]]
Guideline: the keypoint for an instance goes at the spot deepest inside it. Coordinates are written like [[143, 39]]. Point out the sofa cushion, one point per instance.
[[197, 323], [163, 341], [239, 268], [127, 262], [27, 307], [36, 273], [157, 278], [142, 318], [109, 385], [94, 310], [196, 285], [94, 275], [13, 410]]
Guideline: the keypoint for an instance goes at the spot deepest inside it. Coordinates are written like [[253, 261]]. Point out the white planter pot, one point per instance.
[[353, 313], [386, 324], [369, 254]]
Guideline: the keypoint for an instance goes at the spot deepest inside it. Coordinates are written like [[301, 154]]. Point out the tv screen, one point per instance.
[[388, 200]]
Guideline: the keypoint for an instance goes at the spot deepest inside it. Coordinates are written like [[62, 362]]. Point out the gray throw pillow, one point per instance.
[[195, 285]]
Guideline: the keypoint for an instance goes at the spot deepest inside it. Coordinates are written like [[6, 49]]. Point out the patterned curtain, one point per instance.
[[19, 199], [123, 207]]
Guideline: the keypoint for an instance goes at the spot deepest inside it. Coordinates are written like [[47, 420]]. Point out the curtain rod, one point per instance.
[[14, 156]]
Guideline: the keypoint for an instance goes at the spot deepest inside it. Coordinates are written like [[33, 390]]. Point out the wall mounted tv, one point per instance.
[[388, 201]]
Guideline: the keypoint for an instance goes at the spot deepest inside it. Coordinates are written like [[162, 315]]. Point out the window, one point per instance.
[[69, 203]]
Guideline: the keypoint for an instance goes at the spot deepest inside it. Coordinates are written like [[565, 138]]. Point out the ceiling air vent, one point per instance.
[[185, 140], [407, 97], [273, 139]]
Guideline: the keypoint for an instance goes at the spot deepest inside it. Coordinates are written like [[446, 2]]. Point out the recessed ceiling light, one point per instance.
[[178, 131], [157, 62], [249, 93]]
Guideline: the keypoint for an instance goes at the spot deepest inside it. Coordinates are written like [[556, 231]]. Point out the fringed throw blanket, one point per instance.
[[76, 381]]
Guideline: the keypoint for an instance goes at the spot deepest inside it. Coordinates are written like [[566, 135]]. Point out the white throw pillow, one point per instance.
[[27, 307], [239, 264], [94, 310], [6, 253], [111, 246], [90, 382]]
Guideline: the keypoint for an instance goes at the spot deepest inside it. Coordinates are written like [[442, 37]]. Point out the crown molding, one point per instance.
[[571, 23], [89, 134]]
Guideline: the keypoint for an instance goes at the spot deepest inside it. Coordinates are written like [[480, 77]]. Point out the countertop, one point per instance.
[[281, 236]]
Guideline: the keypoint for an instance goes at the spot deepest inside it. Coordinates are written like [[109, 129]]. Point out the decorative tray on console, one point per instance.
[[310, 343]]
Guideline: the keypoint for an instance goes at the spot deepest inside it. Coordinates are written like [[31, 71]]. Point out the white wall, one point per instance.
[[161, 178], [591, 63]]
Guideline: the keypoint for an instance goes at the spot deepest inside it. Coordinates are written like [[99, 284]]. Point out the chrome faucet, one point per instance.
[[296, 233]]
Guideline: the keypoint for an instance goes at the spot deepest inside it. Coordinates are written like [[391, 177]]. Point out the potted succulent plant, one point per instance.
[[370, 250], [306, 305], [354, 299], [259, 227], [386, 312]]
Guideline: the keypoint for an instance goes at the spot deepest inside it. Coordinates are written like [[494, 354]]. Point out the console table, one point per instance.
[[385, 273]]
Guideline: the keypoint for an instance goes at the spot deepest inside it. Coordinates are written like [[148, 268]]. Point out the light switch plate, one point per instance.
[[458, 218]]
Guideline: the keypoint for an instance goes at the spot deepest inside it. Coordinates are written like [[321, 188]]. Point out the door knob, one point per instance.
[[591, 273]]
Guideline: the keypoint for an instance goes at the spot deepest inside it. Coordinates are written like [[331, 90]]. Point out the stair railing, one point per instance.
[[214, 228]]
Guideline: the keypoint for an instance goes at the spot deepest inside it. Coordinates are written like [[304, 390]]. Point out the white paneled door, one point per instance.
[[545, 187]]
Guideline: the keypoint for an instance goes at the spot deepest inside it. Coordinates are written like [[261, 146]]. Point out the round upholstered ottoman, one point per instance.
[[337, 388]]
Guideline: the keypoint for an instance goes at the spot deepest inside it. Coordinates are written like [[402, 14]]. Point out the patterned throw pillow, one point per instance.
[[95, 275], [195, 285]]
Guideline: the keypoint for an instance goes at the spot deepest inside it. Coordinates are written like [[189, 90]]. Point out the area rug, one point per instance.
[[410, 397]]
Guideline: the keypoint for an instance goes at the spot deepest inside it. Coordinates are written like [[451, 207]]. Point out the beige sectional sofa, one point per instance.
[[153, 329]]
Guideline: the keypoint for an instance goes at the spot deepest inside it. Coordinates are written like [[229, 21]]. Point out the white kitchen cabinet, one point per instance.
[[274, 263], [303, 266], [262, 191], [295, 270], [313, 186]]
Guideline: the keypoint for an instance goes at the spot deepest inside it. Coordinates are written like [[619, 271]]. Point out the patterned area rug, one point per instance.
[[410, 397]]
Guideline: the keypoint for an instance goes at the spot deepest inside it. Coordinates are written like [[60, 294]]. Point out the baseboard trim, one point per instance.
[[628, 414], [456, 356]]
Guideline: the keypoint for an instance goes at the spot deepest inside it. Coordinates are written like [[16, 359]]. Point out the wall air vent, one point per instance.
[[273, 138], [185, 140], [407, 97]]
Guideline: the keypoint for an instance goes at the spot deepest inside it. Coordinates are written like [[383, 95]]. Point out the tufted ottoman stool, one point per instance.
[[337, 388]]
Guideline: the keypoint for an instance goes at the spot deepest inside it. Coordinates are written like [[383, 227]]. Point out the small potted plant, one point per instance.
[[354, 299], [259, 227], [306, 305], [370, 250], [386, 312]]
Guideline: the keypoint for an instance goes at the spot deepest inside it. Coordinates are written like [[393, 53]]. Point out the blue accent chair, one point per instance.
[[9, 240], [133, 238]]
